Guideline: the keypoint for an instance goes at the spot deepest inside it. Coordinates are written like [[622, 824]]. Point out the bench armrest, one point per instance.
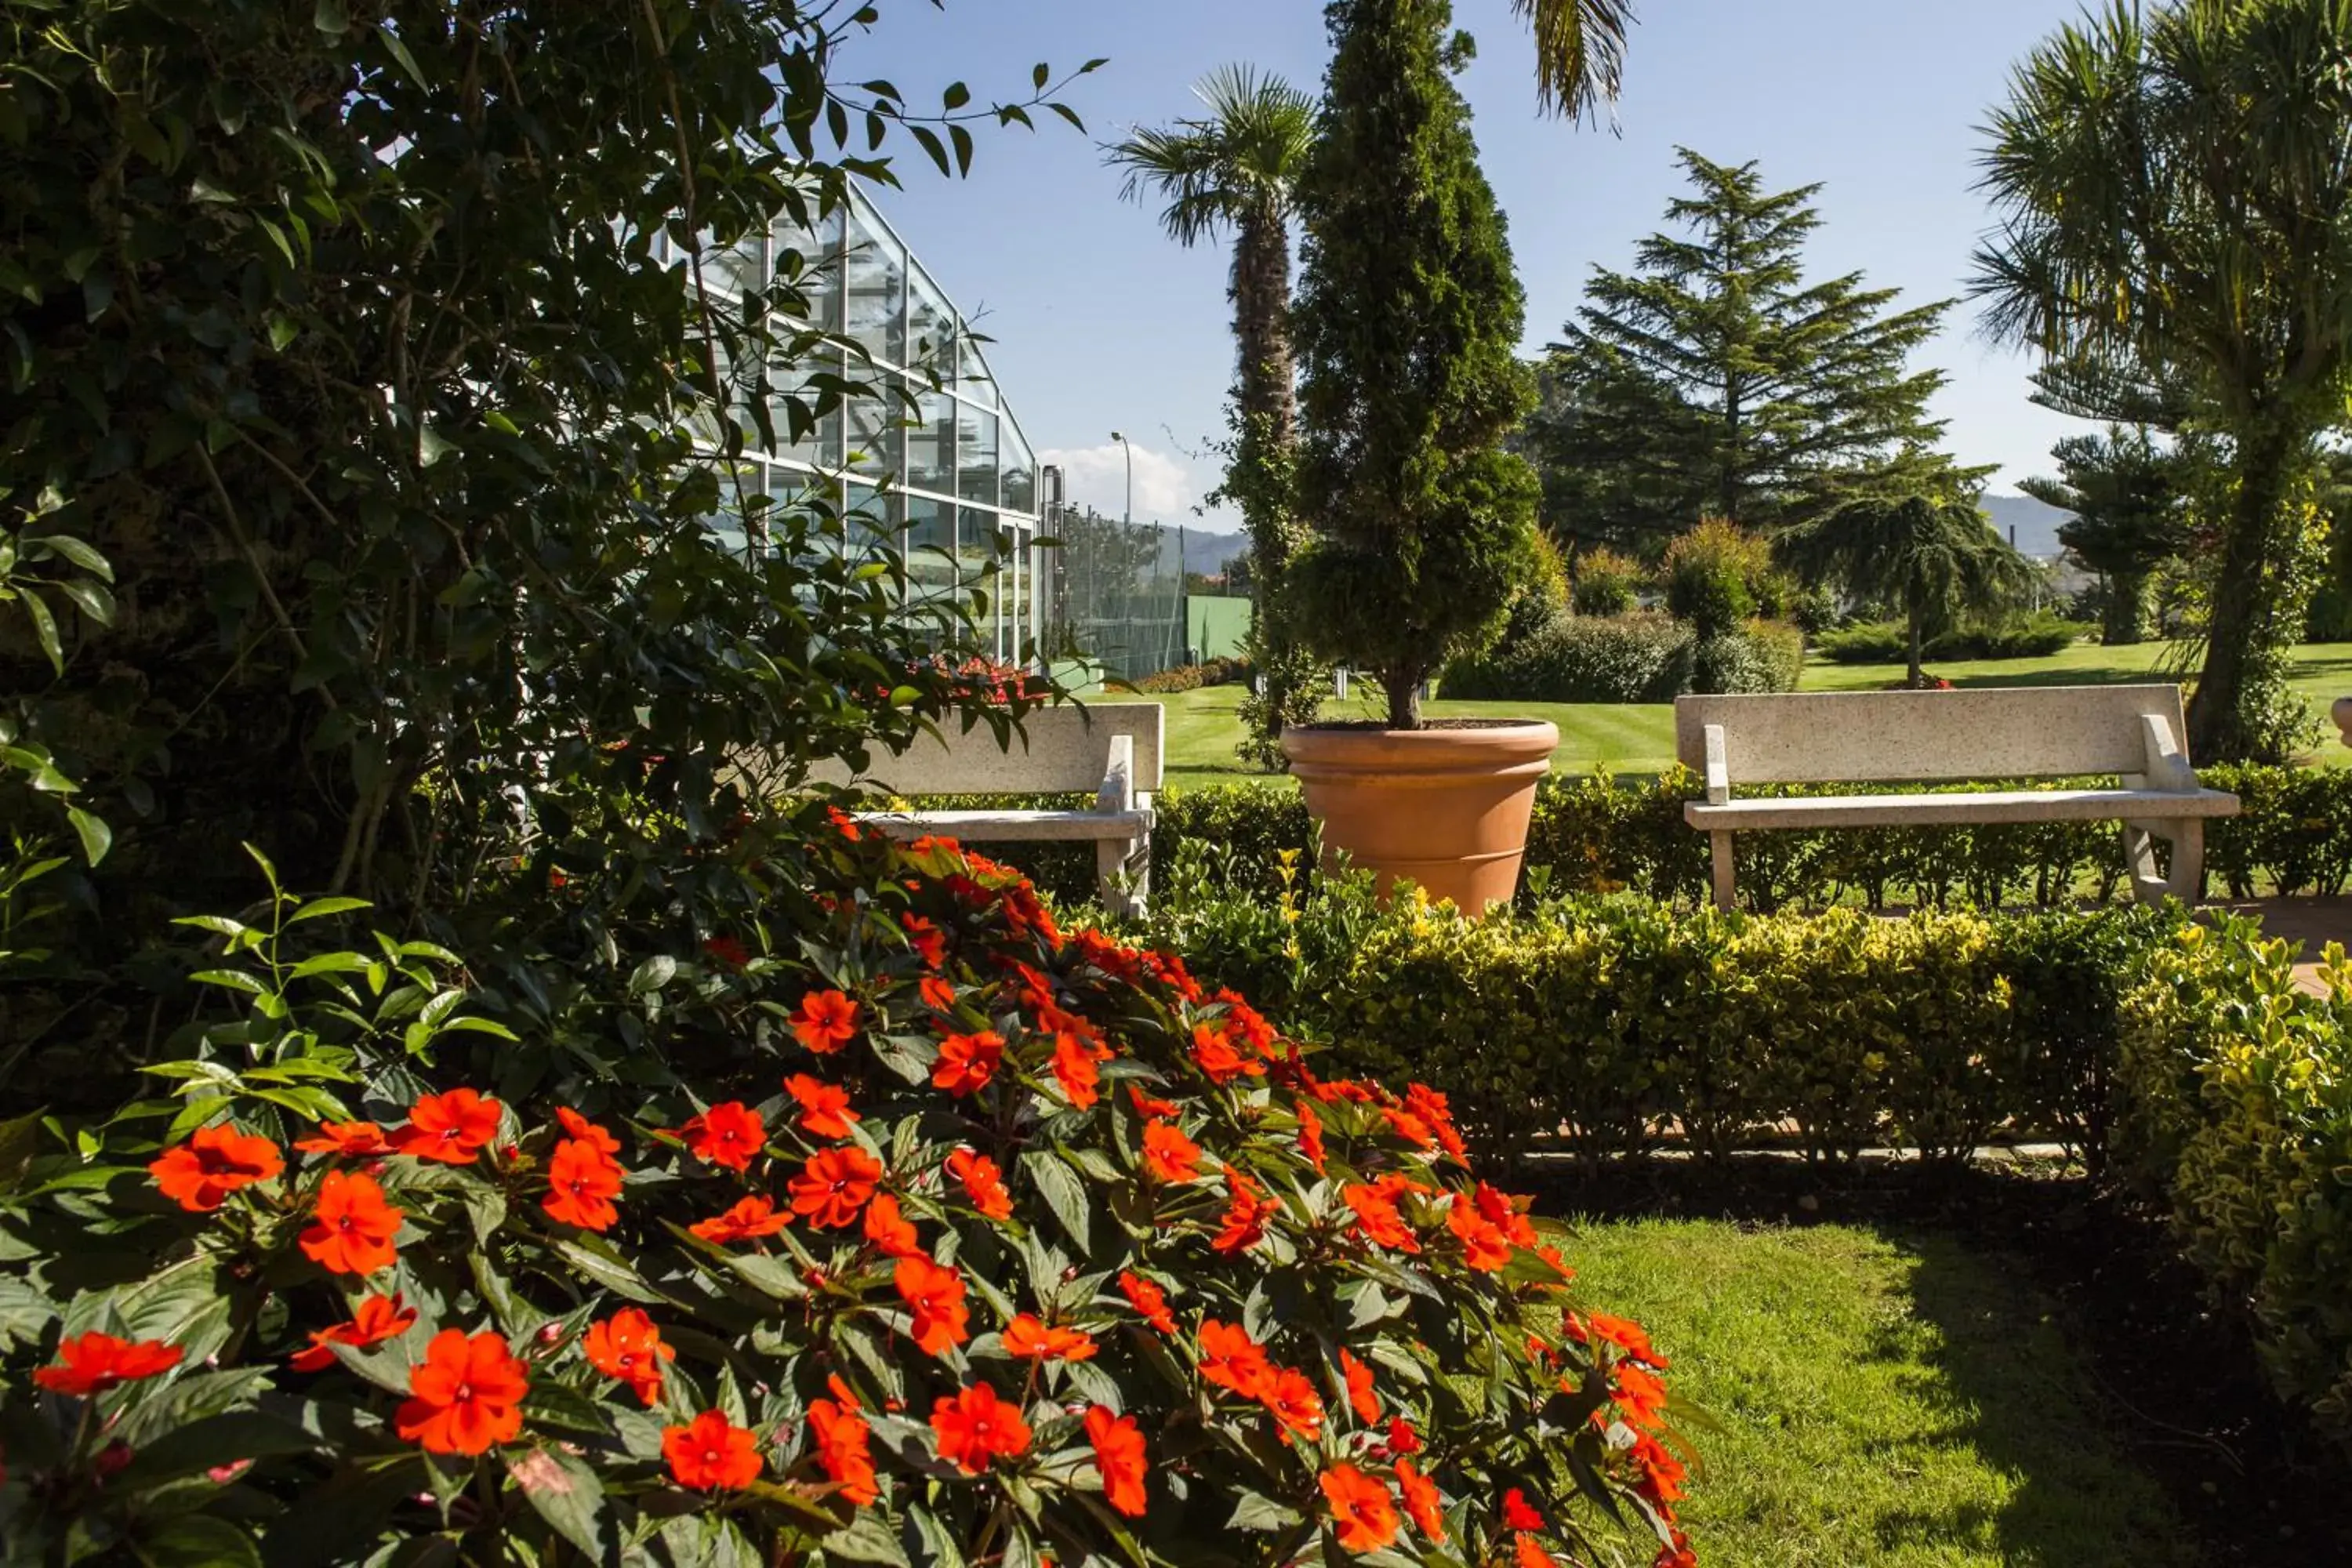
[[1117, 791], [1718, 767], [2167, 765]]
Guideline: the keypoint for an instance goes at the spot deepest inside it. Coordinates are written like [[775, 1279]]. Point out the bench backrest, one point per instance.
[[2001, 733], [1067, 748]]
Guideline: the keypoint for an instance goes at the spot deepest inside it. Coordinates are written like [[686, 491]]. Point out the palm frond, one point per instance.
[[1579, 52], [1239, 160]]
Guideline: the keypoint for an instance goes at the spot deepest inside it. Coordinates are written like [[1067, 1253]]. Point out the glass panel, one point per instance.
[[931, 328], [817, 255], [877, 435], [976, 455], [876, 274], [931, 445], [1020, 471], [973, 380], [1016, 597], [873, 520], [739, 267], [930, 546], [819, 446], [726, 521]]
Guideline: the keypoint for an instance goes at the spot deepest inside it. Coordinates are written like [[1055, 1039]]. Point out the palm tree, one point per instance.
[[1937, 556], [2177, 194], [1237, 168], [1580, 51]]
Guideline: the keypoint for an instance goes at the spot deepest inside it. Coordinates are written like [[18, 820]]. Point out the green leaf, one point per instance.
[[91, 599], [1255, 1511], [1063, 1192], [216, 1440], [653, 974], [97, 837], [566, 1493], [866, 1538], [332, 17], [76, 550], [195, 1540], [608, 1271], [319, 907], [45, 631]]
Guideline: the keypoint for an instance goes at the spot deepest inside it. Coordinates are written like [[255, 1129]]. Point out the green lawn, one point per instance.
[[1204, 728], [1883, 1401]]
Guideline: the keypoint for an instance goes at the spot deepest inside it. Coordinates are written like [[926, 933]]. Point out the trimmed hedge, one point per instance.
[[2034, 636], [1192, 677]]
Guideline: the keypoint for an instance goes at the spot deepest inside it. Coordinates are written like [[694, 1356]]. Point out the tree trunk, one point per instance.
[[1404, 700], [2125, 620], [1265, 399], [2248, 620], [1919, 677]]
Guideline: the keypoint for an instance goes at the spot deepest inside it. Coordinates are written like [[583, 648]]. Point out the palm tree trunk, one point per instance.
[[1266, 395], [2249, 619]]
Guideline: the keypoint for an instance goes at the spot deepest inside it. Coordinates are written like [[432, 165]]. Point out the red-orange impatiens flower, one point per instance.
[[1149, 1108], [1519, 1513], [452, 1128], [1231, 1359], [833, 1185], [1432, 1108], [1215, 1054], [1640, 1395], [1529, 1552], [732, 1134], [1421, 1503], [356, 1140], [93, 1362], [1362, 1513], [1167, 1155], [1310, 1136], [968, 1061], [466, 1394], [1623, 1333], [1075, 1069], [375, 1320], [891, 1233], [825, 1021], [1151, 1304], [628, 1346], [1362, 1397], [578, 1126], [1662, 1473], [1290, 1398], [825, 1107], [1402, 1438], [934, 1296], [975, 1427], [351, 1226], [1119, 1455], [748, 1219], [1485, 1245], [1027, 1335], [711, 1453], [984, 1183], [842, 1449], [1376, 1215], [1243, 1223], [928, 941], [582, 1183], [1675, 1553], [938, 994], [214, 1161]]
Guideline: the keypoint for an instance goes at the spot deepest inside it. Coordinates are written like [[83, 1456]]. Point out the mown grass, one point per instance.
[[1204, 726], [1879, 1400]]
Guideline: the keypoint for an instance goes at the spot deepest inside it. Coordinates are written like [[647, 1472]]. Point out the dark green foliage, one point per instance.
[[1714, 380], [2330, 619], [1640, 657], [1407, 319], [1932, 553], [2035, 633], [2130, 504]]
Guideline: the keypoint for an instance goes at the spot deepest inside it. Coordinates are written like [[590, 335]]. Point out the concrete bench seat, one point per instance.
[[1110, 748], [1863, 737]]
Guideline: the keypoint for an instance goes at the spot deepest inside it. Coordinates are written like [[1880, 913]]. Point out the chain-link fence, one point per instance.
[[1110, 592]]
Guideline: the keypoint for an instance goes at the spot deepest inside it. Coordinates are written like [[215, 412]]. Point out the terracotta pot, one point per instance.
[[2343, 711], [1446, 807]]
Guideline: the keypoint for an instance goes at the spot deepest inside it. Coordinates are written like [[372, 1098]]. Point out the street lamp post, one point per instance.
[[1129, 447]]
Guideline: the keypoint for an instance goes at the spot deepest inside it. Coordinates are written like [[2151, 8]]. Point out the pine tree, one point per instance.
[[2130, 517], [1714, 380], [1407, 321]]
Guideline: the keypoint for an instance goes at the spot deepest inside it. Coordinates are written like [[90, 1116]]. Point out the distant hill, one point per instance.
[[1203, 553], [2032, 525]]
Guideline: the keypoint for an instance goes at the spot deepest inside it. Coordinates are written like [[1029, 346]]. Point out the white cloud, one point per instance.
[[1096, 477]]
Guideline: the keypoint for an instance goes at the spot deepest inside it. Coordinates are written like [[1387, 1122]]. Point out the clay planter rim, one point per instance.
[[1508, 748]]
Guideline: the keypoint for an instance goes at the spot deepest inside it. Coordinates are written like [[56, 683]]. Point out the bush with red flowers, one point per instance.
[[982, 1242]]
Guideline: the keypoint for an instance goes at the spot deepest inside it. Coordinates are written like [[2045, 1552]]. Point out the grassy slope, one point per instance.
[[1203, 728], [1880, 1401]]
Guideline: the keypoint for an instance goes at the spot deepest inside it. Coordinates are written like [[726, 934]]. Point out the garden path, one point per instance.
[[2313, 922]]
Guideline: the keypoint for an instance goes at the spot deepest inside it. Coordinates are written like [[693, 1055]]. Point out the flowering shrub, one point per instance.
[[982, 1243]]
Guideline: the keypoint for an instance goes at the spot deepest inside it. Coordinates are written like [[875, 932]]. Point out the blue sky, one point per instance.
[[1102, 322]]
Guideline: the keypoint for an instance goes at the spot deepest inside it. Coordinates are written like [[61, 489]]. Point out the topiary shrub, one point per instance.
[[927, 1234]]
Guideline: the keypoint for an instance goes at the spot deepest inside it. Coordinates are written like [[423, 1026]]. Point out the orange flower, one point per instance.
[[928, 941], [1485, 1246], [1291, 1399], [1432, 1108], [1231, 1359], [842, 1449], [375, 1320], [1310, 1136], [627, 1346], [1623, 1333], [847, 823], [1529, 1552], [1150, 1303], [1402, 1438], [1245, 1215], [984, 1183], [200, 1174], [825, 1107], [751, 1218], [1248, 1022], [1640, 1395], [1376, 1215], [356, 1140], [1361, 1510], [934, 1296], [351, 1226], [1026, 1335], [1361, 1398], [891, 1233], [467, 1395], [1506, 1213], [711, 1454], [1075, 1068], [834, 1185], [938, 994], [1519, 1513], [582, 1183], [1662, 1473], [1409, 1127], [452, 1128], [1675, 1553], [1167, 1155], [732, 1134], [587, 1131], [968, 1061], [826, 1021], [1421, 1503], [1119, 1455], [93, 1362], [1214, 1054], [1149, 1109], [975, 1427]]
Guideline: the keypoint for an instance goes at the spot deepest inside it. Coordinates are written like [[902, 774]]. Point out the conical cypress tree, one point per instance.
[[1407, 324]]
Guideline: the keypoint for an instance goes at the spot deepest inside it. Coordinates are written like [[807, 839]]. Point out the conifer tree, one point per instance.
[[1714, 380], [2130, 517]]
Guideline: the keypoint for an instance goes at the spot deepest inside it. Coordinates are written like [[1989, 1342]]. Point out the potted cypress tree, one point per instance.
[[1407, 323]]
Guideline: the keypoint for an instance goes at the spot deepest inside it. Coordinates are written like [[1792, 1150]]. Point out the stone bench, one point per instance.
[[1111, 748], [2014, 733]]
